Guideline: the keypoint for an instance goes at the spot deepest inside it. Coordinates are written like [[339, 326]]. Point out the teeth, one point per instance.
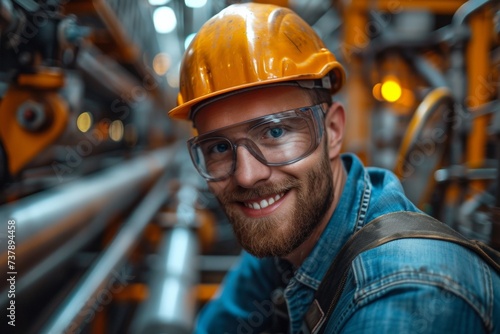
[[263, 203]]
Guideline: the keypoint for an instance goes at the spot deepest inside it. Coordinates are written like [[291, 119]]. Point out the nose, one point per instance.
[[249, 171]]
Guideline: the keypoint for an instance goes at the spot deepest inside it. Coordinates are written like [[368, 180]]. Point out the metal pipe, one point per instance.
[[466, 10], [47, 219], [106, 73], [87, 295], [171, 307], [40, 274], [427, 70]]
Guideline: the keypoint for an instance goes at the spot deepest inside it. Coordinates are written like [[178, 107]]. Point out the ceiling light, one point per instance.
[[158, 2], [195, 3], [164, 20]]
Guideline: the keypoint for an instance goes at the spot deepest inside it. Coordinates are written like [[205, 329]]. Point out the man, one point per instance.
[[257, 82]]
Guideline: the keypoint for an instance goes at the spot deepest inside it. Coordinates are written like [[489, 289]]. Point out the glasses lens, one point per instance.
[[274, 140], [213, 157], [282, 140]]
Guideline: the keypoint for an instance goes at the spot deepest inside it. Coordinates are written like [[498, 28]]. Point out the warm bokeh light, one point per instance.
[[116, 130], [173, 79], [391, 90], [376, 92], [84, 121], [161, 63]]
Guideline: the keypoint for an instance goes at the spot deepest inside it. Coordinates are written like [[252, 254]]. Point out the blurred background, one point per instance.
[[105, 226]]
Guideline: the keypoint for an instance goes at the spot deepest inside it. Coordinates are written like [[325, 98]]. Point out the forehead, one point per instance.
[[250, 104]]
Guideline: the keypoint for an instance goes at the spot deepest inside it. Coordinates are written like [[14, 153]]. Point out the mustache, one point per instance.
[[240, 194]]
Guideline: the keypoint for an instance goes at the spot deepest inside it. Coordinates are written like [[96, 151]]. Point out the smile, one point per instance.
[[264, 203]]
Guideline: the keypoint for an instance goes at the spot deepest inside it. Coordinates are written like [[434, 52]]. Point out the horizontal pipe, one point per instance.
[[45, 220], [105, 72], [34, 279], [87, 296], [459, 172]]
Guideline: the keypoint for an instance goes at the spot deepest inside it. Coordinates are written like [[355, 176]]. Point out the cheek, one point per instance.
[[217, 188], [302, 167]]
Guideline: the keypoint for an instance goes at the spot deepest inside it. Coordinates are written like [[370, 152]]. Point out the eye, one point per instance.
[[219, 148], [276, 132]]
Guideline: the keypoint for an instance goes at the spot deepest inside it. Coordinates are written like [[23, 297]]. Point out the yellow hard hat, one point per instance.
[[251, 45]]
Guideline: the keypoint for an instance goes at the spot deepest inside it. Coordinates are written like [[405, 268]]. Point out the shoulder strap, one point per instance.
[[388, 227]]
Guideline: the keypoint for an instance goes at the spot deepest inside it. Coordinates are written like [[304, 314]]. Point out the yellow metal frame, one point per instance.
[[22, 145], [480, 90]]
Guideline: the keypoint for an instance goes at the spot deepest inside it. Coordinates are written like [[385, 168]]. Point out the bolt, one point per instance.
[[31, 116]]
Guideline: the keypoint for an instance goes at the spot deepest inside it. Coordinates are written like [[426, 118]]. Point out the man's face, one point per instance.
[[273, 210]]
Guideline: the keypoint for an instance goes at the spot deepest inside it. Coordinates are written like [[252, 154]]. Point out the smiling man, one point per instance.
[[257, 83], [275, 210]]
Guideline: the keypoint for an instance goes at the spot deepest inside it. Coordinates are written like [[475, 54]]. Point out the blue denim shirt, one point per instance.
[[405, 286]]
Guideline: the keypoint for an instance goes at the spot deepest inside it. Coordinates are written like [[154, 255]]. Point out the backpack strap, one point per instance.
[[386, 228]]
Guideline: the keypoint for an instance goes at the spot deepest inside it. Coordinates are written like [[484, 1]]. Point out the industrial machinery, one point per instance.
[[105, 227], [88, 160], [432, 98]]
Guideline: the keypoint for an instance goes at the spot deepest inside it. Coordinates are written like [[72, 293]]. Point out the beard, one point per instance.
[[281, 233]]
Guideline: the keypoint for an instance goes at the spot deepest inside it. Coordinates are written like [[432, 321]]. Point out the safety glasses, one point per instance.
[[275, 140]]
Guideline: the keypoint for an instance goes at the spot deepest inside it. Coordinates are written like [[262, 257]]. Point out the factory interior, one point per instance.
[[114, 231]]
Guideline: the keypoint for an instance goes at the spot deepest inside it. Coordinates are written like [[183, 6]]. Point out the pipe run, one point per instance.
[[106, 271], [171, 307], [45, 220]]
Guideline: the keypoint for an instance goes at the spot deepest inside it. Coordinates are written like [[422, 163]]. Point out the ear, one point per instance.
[[334, 128]]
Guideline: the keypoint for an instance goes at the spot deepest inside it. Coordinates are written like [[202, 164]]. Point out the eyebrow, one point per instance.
[[250, 123], [221, 132]]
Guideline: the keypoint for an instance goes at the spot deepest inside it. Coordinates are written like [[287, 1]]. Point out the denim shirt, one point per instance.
[[404, 286]]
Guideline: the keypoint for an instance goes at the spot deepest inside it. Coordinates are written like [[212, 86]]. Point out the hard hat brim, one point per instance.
[[182, 111]]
